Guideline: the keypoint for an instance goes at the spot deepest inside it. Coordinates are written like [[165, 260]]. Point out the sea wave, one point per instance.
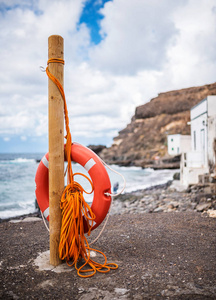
[[21, 160], [15, 213], [17, 182], [129, 168]]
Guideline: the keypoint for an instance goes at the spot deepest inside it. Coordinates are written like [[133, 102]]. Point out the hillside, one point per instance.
[[146, 136]]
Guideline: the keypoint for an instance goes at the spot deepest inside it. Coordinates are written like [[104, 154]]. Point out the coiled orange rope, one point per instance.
[[73, 246]]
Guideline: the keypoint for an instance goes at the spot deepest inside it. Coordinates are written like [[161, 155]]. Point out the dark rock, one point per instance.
[[176, 176], [173, 159], [202, 197], [97, 148], [165, 166]]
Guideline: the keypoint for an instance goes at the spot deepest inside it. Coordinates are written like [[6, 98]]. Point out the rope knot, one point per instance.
[[74, 187]]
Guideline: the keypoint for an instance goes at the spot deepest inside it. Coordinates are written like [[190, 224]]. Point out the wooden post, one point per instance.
[[56, 146]]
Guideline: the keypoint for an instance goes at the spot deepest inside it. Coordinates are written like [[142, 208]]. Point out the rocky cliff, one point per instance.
[[144, 140]]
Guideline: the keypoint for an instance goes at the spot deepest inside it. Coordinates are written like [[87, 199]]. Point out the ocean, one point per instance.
[[17, 181]]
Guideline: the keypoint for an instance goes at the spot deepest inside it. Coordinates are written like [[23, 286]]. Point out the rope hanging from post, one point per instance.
[[73, 246]]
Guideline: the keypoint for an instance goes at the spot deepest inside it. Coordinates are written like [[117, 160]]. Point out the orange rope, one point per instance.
[[73, 246]]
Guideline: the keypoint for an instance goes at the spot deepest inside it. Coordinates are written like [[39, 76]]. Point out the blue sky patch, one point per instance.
[[92, 17]]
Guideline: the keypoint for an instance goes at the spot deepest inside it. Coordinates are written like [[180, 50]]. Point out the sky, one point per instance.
[[118, 54]]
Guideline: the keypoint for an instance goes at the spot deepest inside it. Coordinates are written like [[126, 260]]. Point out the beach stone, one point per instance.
[[169, 209], [134, 204], [46, 284], [203, 199], [132, 210], [174, 204], [170, 206], [143, 200], [192, 205], [27, 219], [31, 219], [127, 203], [167, 200], [211, 213], [121, 291], [158, 209], [203, 206], [147, 210]]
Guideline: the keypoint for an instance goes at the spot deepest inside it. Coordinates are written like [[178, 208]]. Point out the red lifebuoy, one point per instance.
[[99, 176]]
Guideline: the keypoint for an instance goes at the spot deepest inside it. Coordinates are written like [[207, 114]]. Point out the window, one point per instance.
[[194, 135]]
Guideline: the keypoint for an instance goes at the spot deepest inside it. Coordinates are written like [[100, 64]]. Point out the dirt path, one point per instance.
[[160, 256]]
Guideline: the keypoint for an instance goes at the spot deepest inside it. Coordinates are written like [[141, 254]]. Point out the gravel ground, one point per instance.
[[164, 255]]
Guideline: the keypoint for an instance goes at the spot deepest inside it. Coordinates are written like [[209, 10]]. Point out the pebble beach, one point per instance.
[[169, 197]]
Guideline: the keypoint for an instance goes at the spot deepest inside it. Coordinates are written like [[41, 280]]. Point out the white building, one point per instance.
[[177, 143], [201, 158]]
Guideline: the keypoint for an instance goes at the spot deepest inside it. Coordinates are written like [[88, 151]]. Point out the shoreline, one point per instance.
[[167, 197], [38, 214], [22, 217]]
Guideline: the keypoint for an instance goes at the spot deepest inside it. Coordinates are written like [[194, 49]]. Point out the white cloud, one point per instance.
[[148, 47], [193, 59], [136, 35]]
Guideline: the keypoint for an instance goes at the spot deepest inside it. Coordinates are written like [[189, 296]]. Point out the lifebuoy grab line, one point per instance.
[[97, 171]]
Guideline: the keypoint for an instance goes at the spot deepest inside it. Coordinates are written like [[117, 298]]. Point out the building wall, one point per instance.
[[212, 143], [199, 136], [191, 175], [173, 144], [211, 146], [198, 109], [202, 157], [185, 142], [177, 142], [211, 105]]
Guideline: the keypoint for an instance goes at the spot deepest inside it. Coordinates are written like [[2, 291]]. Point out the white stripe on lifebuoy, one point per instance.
[[46, 212], [89, 164], [45, 162]]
